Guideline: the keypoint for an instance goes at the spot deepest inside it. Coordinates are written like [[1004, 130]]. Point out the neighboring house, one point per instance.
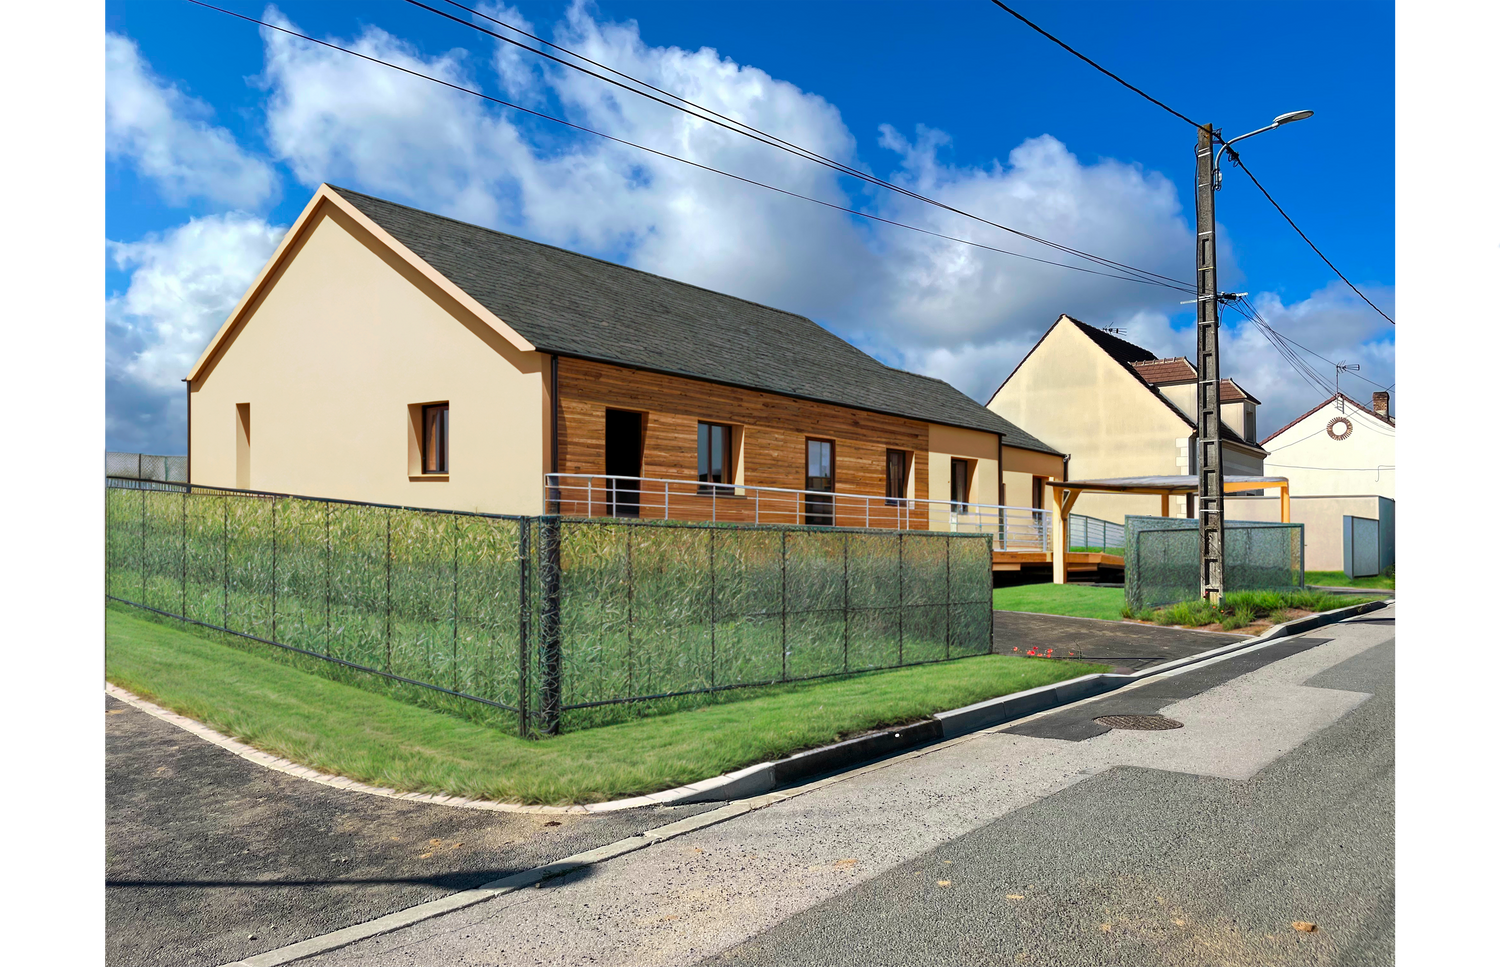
[[1338, 447], [387, 354], [1117, 410]]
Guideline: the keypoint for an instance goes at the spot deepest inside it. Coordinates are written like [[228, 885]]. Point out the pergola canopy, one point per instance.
[[1179, 484], [1065, 494]]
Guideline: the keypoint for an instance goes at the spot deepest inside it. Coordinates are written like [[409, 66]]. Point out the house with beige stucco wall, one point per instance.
[[1338, 448], [1117, 410], [391, 355]]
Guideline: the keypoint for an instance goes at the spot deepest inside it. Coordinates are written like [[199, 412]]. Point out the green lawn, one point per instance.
[[1337, 579], [1071, 599], [350, 731]]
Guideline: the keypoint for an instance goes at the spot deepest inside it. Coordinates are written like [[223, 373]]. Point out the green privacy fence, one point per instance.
[[1162, 559], [545, 618]]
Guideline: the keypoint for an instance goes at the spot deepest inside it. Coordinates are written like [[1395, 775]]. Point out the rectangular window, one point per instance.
[[819, 502], [242, 445], [1249, 423], [714, 458], [896, 464], [435, 438], [958, 485]]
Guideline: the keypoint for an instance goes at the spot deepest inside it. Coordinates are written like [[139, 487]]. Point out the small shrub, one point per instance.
[[1280, 616], [1241, 617]]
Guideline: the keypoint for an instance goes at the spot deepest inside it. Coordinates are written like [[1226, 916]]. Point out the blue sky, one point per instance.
[[218, 135]]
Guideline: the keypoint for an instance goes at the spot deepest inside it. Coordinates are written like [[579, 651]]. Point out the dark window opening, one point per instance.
[[896, 464], [958, 486], [435, 438], [623, 430], [819, 502], [714, 459]]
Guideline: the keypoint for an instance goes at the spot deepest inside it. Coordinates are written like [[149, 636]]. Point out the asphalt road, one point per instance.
[[1142, 866], [210, 858], [1273, 804]]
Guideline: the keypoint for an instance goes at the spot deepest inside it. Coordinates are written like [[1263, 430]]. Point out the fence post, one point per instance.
[[900, 597], [387, 590], [948, 599], [143, 547], [551, 624], [846, 602], [327, 579], [455, 602], [523, 642], [713, 611], [630, 609], [273, 568], [183, 612], [783, 605]]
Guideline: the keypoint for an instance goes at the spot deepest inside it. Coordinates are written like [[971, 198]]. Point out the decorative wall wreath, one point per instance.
[[1342, 433]]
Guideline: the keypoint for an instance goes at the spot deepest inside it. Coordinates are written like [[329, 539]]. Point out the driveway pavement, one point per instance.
[[1125, 646], [210, 858]]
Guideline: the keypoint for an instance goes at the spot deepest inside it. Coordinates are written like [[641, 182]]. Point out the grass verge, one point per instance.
[[345, 730], [1338, 579], [1077, 600], [1242, 608]]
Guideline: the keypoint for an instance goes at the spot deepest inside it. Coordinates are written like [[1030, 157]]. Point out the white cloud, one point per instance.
[[938, 307], [183, 284], [166, 136]]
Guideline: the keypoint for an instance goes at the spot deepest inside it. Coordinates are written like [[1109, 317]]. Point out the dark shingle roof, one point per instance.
[[566, 303]]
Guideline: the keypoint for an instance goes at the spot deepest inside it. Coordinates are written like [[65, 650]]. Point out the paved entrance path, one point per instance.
[[1126, 646], [205, 849], [1197, 845]]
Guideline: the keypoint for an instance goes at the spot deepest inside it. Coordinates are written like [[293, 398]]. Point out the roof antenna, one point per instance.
[[1115, 330], [1340, 369]]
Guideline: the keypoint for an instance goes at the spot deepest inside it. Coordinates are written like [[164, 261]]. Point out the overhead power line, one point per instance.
[[1233, 156], [694, 164], [1095, 65], [702, 113]]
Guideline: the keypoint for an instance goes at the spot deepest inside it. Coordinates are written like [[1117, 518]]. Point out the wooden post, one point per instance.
[[1059, 537], [1286, 502], [1166, 505]]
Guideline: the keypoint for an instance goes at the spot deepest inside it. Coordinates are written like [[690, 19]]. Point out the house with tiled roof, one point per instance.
[[1117, 410], [1339, 447], [391, 355]]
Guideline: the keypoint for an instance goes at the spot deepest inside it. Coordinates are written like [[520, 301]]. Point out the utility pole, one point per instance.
[[1210, 446]]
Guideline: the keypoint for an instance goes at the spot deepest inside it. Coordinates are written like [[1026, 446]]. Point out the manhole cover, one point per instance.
[[1145, 723]]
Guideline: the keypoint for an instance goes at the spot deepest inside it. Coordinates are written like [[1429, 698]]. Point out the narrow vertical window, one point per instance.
[[958, 485], [818, 504], [713, 457], [435, 438], [896, 464], [242, 445]]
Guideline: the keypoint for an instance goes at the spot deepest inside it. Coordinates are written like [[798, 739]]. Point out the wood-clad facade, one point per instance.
[[769, 449]]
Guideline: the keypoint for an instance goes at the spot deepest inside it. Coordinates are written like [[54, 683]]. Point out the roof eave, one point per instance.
[[326, 195]]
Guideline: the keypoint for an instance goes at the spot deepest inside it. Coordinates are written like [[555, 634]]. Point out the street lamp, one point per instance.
[[1210, 445], [1281, 119]]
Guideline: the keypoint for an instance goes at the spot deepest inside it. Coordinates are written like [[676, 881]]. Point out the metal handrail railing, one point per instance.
[[661, 498]]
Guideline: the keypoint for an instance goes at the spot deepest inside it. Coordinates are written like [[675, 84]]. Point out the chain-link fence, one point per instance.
[[146, 467], [546, 617], [1162, 559]]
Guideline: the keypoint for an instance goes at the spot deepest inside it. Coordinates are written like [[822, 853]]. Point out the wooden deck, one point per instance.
[[1076, 560]]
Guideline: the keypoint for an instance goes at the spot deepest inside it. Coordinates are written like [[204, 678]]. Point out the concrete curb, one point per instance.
[[853, 756], [997, 711], [763, 777]]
